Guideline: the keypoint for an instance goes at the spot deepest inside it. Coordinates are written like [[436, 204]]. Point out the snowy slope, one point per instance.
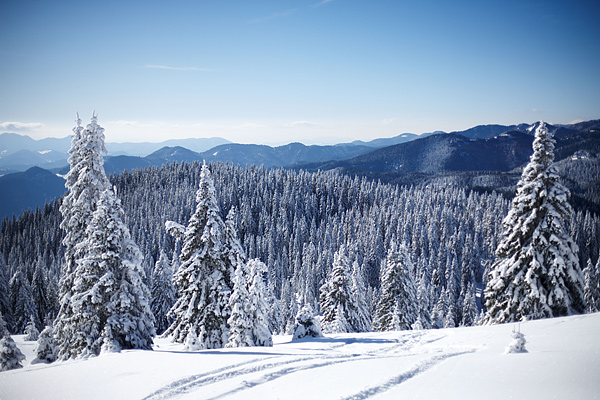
[[563, 362]]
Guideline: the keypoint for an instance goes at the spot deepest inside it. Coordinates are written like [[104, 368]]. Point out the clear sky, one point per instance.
[[280, 71]]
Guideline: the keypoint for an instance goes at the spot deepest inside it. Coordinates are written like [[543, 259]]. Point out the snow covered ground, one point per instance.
[[563, 362]]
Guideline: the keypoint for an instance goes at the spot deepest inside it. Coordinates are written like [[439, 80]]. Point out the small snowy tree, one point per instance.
[[398, 292], [439, 312], [21, 303], [423, 303], [337, 296], [536, 273], [275, 313], [31, 331], [469, 307], [162, 292], [591, 288], [3, 328], [46, 351], [249, 312], [306, 324], [42, 300], [261, 334], [360, 321], [10, 355], [241, 320], [517, 345], [191, 342]]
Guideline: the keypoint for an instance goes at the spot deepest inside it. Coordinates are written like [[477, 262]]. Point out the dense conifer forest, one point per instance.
[[294, 222]]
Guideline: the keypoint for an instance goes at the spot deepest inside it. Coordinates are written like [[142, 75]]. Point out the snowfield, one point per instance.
[[562, 362]]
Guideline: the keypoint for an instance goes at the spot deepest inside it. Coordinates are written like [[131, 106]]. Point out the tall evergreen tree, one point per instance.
[[104, 301], [397, 308], [536, 273], [85, 181], [204, 278]]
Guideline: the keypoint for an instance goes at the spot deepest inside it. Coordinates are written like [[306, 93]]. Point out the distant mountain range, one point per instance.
[[485, 157], [471, 150], [20, 152]]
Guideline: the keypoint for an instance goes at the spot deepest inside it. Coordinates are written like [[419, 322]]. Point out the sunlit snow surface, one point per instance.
[[562, 362]]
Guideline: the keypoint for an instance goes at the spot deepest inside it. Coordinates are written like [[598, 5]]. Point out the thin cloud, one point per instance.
[[388, 121], [321, 3], [274, 15], [153, 66], [20, 126], [303, 124], [250, 125]]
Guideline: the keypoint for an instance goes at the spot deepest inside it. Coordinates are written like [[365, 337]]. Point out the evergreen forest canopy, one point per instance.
[[442, 238]]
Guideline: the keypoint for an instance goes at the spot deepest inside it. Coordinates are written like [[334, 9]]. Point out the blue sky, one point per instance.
[[280, 71]]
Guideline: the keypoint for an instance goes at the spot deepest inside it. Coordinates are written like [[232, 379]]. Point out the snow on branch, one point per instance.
[[174, 229]]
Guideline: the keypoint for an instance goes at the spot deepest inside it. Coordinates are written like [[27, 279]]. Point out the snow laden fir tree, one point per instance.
[[163, 292], [536, 273], [397, 307], [204, 277], [249, 311], [342, 299], [103, 300], [221, 297]]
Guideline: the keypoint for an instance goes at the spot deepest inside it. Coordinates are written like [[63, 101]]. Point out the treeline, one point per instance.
[[295, 222]]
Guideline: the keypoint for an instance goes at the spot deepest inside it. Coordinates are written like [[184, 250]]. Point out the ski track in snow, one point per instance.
[[397, 380], [274, 370]]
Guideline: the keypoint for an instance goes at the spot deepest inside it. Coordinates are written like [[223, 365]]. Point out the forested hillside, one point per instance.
[[294, 221]]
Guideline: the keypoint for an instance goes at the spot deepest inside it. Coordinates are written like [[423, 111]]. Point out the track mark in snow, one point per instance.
[[283, 368], [194, 382], [165, 391], [281, 373], [418, 369]]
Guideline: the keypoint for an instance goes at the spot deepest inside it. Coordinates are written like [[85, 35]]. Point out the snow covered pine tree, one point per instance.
[[306, 324], [102, 297], [10, 355], [204, 277], [240, 321], [536, 273], [46, 350], [338, 302], [397, 308], [163, 292]]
